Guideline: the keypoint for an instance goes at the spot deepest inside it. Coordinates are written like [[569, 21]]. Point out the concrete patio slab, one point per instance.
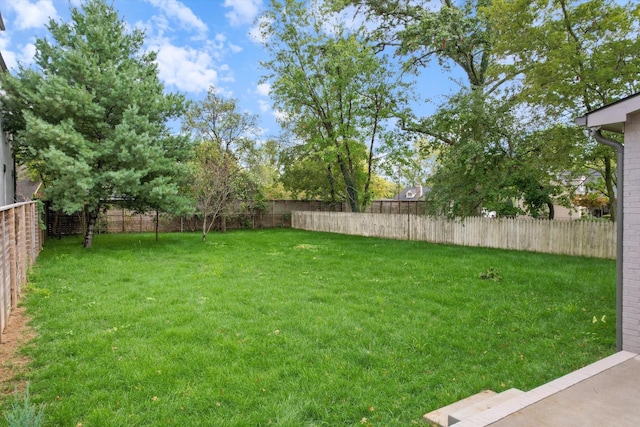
[[604, 393]]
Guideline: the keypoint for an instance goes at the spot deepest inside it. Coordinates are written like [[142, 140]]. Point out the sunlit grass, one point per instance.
[[291, 328]]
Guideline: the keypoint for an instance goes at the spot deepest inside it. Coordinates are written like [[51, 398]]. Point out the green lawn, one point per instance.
[[292, 328]]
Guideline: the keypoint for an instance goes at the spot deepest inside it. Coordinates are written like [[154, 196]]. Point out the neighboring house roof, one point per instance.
[[26, 190], [611, 117], [412, 194]]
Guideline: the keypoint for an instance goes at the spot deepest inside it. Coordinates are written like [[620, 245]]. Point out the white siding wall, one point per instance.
[[631, 257], [7, 189]]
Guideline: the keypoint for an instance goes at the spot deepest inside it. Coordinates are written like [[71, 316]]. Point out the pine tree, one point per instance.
[[91, 118]]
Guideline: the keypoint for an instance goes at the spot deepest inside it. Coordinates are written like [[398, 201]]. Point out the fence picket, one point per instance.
[[21, 244], [579, 238]]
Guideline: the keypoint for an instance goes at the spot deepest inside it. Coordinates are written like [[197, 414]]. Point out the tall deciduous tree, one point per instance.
[[464, 133], [452, 33], [91, 118], [224, 139], [336, 95], [561, 58], [499, 161], [577, 56]]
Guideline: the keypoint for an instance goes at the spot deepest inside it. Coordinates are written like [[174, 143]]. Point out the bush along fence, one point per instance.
[[22, 240], [579, 238]]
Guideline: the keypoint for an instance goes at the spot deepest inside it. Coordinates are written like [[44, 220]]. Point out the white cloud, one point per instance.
[[158, 24], [242, 11], [27, 56], [225, 73], [218, 41], [10, 60], [32, 15], [263, 89], [280, 115], [187, 69], [264, 105], [22, 54], [235, 48], [5, 41], [184, 15], [256, 33], [8, 56]]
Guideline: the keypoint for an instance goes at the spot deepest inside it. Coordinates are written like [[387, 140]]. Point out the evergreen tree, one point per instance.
[[91, 118]]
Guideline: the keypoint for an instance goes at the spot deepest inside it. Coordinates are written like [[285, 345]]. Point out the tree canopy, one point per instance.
[[336, 96], [576, 56], [91, 118], [223, 141], [530, 68]]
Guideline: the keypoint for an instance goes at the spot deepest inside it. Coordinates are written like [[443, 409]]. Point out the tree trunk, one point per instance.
[[552, 211], [608, 180], [56, 229], [352, 196], [350, 184], [204, 227], [91, 225], [332, 184]]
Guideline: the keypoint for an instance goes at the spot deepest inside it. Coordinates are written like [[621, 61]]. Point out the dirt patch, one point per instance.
[[12, 363]]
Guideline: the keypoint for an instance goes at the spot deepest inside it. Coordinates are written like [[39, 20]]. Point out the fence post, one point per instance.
[[12, 258], [32, 222], [22, 245]]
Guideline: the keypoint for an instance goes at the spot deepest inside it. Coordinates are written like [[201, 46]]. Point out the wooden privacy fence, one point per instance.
[[271, 213], [245, 214], [21, 242], [580, 238]]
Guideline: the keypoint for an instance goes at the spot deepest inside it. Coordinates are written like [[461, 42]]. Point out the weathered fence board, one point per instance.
[[21, 242], [580, 238], [272, 213]]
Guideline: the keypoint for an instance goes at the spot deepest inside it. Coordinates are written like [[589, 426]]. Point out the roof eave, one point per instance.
[[611, 117]]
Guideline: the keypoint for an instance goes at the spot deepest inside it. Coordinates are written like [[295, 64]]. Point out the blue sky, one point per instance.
[[200, 43]]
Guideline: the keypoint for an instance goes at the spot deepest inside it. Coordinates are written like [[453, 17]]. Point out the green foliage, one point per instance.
[[585, 51], [263, 163], [224, 141], [336, 96], [457, 33], [491, 274], [23, 413], [590, 200], [585, 57], [530, 68], [91, 117], [496, 159], [408, 164]]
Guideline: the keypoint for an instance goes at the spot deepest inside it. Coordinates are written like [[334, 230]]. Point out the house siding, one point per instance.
[[631, 242], [7, 173]]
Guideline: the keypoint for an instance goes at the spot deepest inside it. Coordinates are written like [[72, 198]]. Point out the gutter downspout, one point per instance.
[[597, 134]]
